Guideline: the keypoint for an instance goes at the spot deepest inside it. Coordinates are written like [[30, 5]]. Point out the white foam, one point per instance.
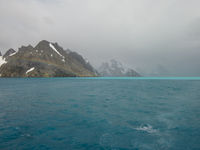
[[147, 128], [29, 70], [2, 61]]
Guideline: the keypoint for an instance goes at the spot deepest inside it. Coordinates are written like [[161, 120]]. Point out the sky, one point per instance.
[[155, 37]]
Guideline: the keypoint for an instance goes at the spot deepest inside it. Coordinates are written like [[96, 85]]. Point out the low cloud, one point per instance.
[[142, 34]]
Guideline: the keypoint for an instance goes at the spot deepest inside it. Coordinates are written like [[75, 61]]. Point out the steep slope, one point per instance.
[[116, 69], [46, 59], [10, 52]]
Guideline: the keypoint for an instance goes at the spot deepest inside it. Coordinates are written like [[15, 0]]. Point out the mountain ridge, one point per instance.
[[48, 60]]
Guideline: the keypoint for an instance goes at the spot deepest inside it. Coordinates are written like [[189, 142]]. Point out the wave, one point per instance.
[[147, 128]]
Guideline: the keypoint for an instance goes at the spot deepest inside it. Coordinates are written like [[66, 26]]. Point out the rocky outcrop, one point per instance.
[[10, 52], [46, 59]]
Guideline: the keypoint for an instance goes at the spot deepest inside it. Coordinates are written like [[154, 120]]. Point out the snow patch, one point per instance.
[[29, 70], [36, 50], [63, 57], [51, 55], [13, 54], [51, 45], [86, 60], [2, 61]]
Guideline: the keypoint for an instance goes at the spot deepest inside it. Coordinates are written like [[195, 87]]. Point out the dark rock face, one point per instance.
[[9, 53], [45, 60], [81, 60], [0, 53], [116, 69]]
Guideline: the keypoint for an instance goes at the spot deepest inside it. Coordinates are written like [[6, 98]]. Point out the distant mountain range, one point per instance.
[[115, 68], [46, 59]]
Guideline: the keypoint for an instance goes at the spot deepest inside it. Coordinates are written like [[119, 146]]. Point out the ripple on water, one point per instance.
[[106, 140], [147, 128]]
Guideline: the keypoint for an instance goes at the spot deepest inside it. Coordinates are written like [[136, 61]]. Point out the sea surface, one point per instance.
[[99, 113]]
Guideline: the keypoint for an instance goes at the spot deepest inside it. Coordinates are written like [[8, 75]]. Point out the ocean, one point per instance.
[[100, 113]]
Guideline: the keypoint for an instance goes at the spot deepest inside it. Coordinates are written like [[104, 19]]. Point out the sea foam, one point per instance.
[[147, 128]]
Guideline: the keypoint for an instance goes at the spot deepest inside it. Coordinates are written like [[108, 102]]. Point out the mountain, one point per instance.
[[46, 59], [116, 69]]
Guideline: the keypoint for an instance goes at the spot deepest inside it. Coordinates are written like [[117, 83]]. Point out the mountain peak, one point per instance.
[[44, 42], [115, 68], [9, 53], [46, 45]]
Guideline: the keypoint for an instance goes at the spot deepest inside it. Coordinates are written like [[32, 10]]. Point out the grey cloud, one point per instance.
[[142, 34]]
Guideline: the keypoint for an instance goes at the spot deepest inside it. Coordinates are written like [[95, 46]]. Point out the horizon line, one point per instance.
[[110, 78]]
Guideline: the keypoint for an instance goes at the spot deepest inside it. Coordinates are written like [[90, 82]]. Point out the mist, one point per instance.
[[155, 37]]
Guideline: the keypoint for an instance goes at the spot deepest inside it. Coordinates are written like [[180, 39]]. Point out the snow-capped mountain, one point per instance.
[[46, 59], [116, 69]]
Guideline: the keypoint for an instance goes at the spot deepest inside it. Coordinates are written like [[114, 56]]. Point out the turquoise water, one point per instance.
[[100, 114]]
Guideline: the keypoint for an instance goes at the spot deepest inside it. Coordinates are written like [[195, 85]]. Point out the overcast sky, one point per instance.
[[149, 35]]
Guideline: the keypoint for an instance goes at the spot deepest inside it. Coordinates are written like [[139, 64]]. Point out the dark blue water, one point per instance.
[[129, 114]]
